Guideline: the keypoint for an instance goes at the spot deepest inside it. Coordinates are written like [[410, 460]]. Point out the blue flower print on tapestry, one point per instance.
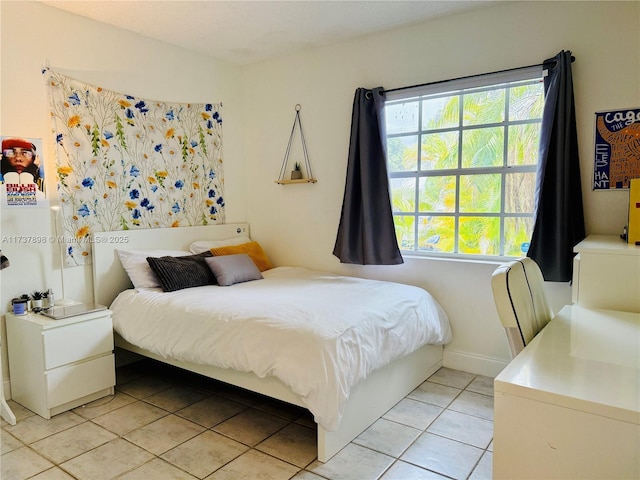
[[125, 162]]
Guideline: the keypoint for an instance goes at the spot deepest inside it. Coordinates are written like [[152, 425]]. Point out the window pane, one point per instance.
[[439, 150], [437, 194], [402, 117], [483, 147], [480, 193], [435, 234], [440, 112], [517, 234], [519, 192], [479, 235], [523, 144], [402, 153], [405, 228], [526, 102], [403, 194], [484, 107]]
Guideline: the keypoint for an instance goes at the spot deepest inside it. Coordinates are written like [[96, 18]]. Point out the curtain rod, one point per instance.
[[428, 84]]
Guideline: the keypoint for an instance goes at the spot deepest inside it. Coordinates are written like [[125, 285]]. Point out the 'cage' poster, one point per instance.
[[617, 149]]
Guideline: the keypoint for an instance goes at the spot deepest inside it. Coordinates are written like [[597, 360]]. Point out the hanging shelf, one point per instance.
[[282, 179]]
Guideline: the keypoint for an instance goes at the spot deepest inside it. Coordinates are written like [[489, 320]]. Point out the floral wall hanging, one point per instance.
[[125, 162]]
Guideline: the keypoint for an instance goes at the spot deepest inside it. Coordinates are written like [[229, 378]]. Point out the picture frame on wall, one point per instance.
[[22, 172], [616, 149]]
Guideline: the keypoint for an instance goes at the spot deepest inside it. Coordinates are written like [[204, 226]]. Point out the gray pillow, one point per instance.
[[232, 269]]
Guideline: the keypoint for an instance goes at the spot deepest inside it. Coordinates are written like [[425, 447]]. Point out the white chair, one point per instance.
[[518, 292]]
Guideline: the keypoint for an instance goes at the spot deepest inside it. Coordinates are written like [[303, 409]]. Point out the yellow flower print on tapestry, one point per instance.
[[126, 162]]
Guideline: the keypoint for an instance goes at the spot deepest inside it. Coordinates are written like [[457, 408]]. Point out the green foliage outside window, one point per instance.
[[462, 168]]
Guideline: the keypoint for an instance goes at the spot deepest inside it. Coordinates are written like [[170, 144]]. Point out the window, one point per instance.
[[462, 164]]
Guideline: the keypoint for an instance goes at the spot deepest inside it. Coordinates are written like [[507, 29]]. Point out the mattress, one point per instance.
[[317, 332]]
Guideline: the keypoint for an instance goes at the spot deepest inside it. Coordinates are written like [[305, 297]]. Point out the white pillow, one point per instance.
[[206, 245], [135, 264]]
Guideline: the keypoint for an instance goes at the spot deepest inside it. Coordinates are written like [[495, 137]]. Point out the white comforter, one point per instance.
[[318, 333]]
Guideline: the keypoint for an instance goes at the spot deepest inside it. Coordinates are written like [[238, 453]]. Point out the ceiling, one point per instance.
[[244, 32]]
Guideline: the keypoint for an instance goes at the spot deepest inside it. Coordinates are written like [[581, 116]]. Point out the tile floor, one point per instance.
[[167, 424]]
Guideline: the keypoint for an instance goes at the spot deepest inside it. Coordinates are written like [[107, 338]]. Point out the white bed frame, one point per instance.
[[369, 399]]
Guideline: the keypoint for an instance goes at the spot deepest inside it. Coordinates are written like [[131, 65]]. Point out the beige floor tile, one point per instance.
[[34, 427], [413, 413], [70, 443], [435, 394], [55, 473], [405, 471], [175, 398], [164, 434], [463, 428], [204, 454], [130, 417], [8, 442], [22, 463], [443, 456], [144, 387], [388, 437], [481, 384], [250, 426], [211, 411], [353, 462], [304, 475], [107, 461], [294, 444], [104, 405], [252, 465], [157, 469], [484, 469], [452, 378], [474, 404], [19, 411], [279, 409]]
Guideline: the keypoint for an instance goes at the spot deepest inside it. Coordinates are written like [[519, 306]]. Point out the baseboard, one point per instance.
[[471, 363], [6, 389]]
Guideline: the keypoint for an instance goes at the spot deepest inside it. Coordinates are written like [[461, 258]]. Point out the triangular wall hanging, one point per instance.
[[297, 173]]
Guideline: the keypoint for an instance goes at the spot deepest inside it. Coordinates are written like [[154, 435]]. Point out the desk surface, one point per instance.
[[584, 359]]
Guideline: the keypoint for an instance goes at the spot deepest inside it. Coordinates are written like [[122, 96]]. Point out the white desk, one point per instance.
[[568, 406]]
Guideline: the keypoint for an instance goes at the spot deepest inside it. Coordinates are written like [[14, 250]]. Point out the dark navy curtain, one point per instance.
[[366, 234], [559, 216]]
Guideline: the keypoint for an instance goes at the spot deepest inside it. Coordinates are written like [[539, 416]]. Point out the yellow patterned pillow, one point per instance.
[[253, 249]]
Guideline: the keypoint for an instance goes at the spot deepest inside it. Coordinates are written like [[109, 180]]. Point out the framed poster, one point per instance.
[[22, 173], [617, 148]]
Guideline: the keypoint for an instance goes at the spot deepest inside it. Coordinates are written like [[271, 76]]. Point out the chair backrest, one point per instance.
[[518, 292]]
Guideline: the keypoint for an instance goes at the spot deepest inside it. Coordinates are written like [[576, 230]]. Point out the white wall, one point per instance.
[[114, 59], [297, 223]]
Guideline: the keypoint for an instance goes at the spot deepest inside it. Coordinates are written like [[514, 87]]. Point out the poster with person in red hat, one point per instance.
[[22, 172]]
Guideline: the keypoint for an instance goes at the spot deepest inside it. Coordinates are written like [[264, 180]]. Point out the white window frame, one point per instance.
[[461, 86]]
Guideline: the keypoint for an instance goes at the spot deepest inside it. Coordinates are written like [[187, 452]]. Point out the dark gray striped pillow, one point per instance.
[[177, 273]]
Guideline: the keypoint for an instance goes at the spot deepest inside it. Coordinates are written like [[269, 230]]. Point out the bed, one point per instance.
[[345, 395]]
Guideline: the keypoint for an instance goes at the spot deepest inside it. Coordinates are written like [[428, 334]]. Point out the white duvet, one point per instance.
[[318, 333]]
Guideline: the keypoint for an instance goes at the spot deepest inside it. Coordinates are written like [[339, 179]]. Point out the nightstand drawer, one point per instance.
[[76, 342], [65, 384]]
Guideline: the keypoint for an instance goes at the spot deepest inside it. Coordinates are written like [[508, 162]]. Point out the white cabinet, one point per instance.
[[56, 365], [606, 274]]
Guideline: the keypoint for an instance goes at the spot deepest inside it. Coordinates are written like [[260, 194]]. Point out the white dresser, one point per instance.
[[606, 274], [56, 365]]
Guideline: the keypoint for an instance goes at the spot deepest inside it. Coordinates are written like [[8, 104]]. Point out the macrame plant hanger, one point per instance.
[[282, 180]]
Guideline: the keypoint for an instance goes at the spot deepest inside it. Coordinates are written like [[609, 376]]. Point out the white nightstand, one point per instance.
[[57, 365]]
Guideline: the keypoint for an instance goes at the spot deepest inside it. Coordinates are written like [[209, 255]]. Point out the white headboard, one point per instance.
[[109, 278]]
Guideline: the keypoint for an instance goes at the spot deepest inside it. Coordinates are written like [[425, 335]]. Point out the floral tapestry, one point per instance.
[[125, 162]]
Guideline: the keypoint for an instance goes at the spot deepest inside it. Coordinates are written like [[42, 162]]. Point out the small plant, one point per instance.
[[296, 167], [25, 296], [37, 295]]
